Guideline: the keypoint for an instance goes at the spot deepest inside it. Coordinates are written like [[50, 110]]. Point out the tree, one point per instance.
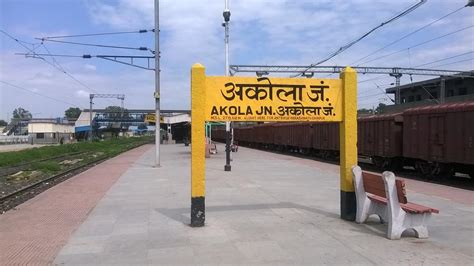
[[3, 123], [20, 113], [380, 109], [72, 113], [365, 111]]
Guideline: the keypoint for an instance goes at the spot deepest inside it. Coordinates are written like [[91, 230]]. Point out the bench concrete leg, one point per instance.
[[421, 231]]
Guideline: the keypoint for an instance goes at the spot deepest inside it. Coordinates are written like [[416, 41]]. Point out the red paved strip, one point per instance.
[[35, 232]]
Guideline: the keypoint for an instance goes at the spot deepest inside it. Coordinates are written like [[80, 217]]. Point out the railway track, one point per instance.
[[11, 199]]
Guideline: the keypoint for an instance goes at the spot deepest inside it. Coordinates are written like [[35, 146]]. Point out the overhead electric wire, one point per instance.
[[429, 63], [60, 68], [456, 62], [348, 45], [54, 58], [378, 93], [39, 94], [444, 59], [98, 34], [97, 45], [419, 44], [409, 34], [366, 80]]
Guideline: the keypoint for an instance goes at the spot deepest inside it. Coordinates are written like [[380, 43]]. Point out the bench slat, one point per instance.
[[408, 207], [373, 184], [417, 208], [378, 199]]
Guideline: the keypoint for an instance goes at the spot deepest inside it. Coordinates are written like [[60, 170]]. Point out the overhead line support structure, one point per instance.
[[265, 70], [228, 138], [157, 83], [98, 95], [395, 72], [113, 58]]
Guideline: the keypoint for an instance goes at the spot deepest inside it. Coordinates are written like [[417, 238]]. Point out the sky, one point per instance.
[[262, 32]]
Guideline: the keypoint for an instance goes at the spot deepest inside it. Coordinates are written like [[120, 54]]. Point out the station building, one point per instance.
[[50, 131], [431, 92], [174, 124]]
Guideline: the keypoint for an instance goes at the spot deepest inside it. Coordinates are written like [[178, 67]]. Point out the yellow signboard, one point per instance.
[[151, 118], [275, 99]]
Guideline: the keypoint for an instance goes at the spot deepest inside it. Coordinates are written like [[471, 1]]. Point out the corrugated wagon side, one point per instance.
[[439, 138], [325, 140], [380, 138]]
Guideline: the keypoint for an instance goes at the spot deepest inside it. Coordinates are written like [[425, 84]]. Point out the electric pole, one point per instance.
[[226, 15], [157, 84]]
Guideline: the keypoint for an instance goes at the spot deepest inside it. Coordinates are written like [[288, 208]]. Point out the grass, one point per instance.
[[47, 166], [108, 148]]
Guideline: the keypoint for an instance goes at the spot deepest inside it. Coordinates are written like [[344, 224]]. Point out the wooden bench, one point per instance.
[[385, 196]]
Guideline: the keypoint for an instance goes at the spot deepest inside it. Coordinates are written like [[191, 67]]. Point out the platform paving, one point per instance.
[[34, 232], [270, 209]]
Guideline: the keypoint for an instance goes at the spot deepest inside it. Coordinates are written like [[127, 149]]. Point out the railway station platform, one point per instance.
[[270, 209]]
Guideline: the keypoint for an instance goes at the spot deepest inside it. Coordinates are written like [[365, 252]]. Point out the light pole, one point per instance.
[[157, 84], [226, 15], [91, 97]]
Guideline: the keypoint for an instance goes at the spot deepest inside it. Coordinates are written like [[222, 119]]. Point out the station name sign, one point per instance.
[[275, 99], [151, 118]]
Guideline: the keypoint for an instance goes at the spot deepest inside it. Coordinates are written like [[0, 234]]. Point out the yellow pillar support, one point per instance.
[[348, 142], [198, 145]]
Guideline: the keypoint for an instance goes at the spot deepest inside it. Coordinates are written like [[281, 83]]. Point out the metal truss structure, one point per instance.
[[309, 71]]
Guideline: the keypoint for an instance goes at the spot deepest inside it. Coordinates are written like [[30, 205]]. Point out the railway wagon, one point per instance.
[[380, 137], [325, 140], [292, 136], [439, 139], [262, 134], [218, 134]]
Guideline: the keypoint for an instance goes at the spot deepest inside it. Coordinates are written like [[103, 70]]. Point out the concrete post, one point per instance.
[[198, 145], [348, 143]]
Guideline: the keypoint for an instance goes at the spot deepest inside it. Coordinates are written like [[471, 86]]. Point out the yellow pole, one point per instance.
[[198, 164], [348, 141]]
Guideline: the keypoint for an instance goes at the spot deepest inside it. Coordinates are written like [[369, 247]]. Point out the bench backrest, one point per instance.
[[373, 184]]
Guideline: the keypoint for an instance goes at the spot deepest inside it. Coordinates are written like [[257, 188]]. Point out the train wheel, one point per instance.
[[396, 164], [378, 161], [423, 168]]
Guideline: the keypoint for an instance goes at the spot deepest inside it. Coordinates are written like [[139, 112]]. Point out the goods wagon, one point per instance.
[[436, 139], [218, 134], [325, 140], [380, 138], [439, 138], [293, 136], [262, 134]]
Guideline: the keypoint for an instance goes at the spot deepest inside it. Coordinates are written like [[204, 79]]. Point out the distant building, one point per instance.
[[430, 92], [50, 131], [174, 124]]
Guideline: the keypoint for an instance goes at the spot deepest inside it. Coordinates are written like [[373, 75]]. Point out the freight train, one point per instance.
[[434, 140]]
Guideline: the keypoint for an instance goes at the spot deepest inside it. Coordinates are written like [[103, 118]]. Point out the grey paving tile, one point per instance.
[[270, 210]]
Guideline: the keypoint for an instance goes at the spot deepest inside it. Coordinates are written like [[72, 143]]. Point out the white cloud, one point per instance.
[[82, 94], [89, 67], [262, 32]]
